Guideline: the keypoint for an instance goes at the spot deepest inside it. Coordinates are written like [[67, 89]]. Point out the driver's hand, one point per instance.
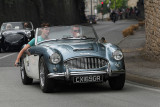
[[16, 63]]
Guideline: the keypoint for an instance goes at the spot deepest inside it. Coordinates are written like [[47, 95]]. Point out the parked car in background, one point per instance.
[[13, 35], [92, 19], [72, 54]]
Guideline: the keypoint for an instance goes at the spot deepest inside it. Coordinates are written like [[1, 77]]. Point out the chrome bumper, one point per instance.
[[68, 74], [77, 73]]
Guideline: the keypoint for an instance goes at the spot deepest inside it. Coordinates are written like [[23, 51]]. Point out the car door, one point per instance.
[[31, 66]]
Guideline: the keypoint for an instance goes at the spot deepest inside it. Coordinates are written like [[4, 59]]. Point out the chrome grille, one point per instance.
[[86, 63]]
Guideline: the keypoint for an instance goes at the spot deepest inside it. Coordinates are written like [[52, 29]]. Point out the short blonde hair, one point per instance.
[[8, 26]]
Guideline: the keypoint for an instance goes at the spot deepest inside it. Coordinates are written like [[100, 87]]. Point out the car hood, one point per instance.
[[8, 32], [13, 38], [71, 50]]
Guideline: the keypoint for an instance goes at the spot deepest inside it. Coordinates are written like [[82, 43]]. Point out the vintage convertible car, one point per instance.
[[80, 59], [14, 35]]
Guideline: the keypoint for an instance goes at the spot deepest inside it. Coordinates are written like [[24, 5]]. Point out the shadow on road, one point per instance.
[[69, 88]]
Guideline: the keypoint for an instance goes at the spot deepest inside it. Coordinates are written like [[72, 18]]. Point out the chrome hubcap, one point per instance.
[[22, 70], [42, 76]]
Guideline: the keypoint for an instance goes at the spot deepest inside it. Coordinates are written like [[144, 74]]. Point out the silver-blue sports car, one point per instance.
[[73, 54]]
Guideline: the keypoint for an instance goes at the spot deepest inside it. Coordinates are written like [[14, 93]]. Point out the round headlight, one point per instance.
[[117, 55], [55, 58], [28, 34]]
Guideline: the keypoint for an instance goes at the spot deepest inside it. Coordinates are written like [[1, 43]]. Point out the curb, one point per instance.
[[143, 80], [122, 40], [138, 78], [125, 38]]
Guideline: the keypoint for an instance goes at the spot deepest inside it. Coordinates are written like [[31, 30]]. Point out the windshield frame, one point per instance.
[[68, 39], [2, 29]]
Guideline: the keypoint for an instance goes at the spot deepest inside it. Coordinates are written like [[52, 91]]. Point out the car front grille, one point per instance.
[[86, 63], [14, 38]]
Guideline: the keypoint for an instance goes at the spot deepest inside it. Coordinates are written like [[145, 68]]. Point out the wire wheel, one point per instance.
[[25, 79], [46, 83], [42, 75]]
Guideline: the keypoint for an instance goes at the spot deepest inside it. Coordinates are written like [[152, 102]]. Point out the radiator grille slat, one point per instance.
[[86, 63]]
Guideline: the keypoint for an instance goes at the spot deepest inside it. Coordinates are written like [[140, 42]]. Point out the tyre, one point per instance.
[[5, 47], [25, 79], [46, 83], [117, 83]]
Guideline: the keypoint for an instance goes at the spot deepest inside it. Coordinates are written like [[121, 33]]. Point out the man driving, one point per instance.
[[8, 26], [76, 31]]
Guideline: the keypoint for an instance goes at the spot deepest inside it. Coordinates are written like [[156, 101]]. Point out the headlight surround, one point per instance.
[[117, 55], [55, 58], [28, 34]]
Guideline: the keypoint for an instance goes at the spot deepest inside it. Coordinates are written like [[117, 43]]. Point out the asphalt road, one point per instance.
[[112, 31], [14, 94]]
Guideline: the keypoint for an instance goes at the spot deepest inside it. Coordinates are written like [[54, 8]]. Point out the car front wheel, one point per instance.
[[25, 79], [117, 83], [6, 47], [46, 83]]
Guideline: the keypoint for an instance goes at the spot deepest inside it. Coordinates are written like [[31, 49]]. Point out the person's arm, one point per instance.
[[21, 53], [31, 43]]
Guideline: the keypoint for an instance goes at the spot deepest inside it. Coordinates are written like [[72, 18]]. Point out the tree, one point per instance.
[[106, 9], [103, 10], [118, 4]]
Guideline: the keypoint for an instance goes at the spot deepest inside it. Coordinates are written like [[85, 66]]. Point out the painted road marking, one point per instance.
[[143, 87], [7, 56]]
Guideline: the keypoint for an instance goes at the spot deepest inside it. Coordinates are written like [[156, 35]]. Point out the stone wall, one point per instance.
[[152, 26]]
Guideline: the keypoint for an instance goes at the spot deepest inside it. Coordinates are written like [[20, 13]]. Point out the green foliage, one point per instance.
[[119, 3], [103, 10]]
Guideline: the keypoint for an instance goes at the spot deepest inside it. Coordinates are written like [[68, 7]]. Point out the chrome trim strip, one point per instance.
[[67, 74], [80, 49], [88, 73]]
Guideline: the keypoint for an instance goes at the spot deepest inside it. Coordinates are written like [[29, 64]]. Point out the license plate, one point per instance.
[[87, 79]]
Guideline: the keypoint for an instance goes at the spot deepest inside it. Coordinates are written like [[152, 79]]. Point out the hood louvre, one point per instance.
[[82, 49]]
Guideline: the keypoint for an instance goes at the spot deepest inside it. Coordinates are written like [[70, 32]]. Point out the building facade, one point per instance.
[[152, 26], [91, 7], [132, 3]]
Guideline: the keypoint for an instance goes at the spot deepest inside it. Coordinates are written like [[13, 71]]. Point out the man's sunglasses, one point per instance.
[[76, 30]]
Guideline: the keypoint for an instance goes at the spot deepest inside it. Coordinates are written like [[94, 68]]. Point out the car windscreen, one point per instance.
[[67, 33], [16, 26]]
